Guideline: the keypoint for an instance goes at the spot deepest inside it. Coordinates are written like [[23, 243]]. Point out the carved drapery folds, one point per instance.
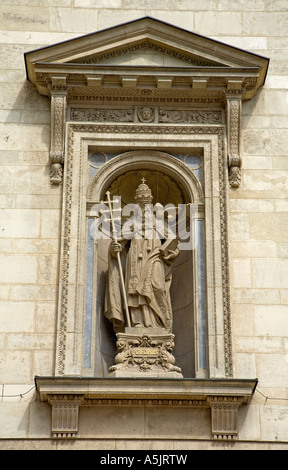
[[58, 91]]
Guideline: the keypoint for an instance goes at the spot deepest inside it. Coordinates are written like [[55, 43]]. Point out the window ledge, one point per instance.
[[222, 396]]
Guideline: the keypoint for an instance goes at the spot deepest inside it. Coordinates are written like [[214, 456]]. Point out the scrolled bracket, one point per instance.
[[234, 116], [58, 91]]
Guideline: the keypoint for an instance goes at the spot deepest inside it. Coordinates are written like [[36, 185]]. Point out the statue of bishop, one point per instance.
[[146, 261]]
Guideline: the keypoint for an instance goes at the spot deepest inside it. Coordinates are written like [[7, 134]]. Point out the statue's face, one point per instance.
[[144, 205], [146, 113]]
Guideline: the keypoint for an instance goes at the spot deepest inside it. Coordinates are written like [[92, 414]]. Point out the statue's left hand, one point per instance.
[[172, 254], [115, 248]]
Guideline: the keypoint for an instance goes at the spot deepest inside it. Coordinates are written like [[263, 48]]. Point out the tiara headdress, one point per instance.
[[143, 193]]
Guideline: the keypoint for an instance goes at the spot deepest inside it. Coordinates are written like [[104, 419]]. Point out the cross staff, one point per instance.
[[114, 238]]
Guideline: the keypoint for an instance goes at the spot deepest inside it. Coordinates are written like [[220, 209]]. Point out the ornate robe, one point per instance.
[[147, 283]]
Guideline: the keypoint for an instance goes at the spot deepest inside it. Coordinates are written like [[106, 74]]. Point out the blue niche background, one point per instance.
[[99, 345]]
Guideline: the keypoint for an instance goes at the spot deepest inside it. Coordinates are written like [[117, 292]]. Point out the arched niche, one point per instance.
[[171, 182], [148, 160]]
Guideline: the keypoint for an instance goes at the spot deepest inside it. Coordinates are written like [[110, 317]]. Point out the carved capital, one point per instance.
[[234, 114]]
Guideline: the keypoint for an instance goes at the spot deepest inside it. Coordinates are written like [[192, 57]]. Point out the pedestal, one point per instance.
[[145, 352]]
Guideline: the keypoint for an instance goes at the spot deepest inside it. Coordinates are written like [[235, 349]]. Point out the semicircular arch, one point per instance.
[[162, 168]]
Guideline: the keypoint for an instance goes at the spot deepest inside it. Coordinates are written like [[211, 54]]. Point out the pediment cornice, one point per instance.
[[146, 61], [114, 58]]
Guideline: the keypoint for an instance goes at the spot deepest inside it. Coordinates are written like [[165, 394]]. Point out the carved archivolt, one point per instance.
[[154, 160]]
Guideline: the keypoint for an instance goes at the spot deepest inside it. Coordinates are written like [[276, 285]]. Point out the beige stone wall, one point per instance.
[[30, 206]]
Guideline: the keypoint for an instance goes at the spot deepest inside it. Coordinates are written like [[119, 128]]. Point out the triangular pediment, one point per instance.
[[146, 43], [148, 53]]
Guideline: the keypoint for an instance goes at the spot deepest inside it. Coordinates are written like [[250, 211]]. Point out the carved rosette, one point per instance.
[[144, 355], [58, 91]]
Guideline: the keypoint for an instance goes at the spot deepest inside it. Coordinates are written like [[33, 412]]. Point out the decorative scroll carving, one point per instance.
[[189, 117], [234, 110], [58, 119], [148, 354], [145, 115], [102, 115]]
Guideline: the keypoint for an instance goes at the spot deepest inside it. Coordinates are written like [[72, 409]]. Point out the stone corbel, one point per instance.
[[224, 414], [58, 92], [65, 412], [234, 115]]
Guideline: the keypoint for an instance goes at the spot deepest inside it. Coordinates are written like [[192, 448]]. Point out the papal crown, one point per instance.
[[143, 192]]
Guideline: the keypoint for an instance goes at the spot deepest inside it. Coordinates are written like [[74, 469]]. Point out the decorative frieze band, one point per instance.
[[145, 114]]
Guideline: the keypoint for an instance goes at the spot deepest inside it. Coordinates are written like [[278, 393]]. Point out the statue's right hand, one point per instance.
[[115, 248]]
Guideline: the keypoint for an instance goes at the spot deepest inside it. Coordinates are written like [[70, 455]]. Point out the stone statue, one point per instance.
[[146, 264], [137, 299]]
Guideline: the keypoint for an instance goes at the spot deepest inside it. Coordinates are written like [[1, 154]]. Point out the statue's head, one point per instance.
[[143, 194]]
